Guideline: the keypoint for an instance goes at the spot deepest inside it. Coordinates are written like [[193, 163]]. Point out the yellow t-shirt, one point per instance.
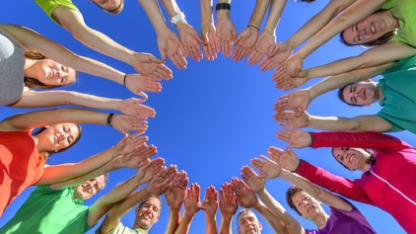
[[49, 5]]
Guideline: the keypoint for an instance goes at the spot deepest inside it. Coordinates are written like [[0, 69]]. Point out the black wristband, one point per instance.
[[124, 80], [223, 6], [110, 118]]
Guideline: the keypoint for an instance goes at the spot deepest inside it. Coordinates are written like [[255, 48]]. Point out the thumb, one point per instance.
[[142, 94], [154, 59], [163, 54], [298, 112], [272, 50], [205, 38]]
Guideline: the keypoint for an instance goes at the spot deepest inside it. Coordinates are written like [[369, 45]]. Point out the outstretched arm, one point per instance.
[[225, 30], [174, 197], [208, 31], [191, 205], [228, 207], [210, 206]]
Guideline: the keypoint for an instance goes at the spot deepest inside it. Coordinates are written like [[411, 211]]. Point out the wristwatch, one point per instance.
[[175, 19], [223, 6]]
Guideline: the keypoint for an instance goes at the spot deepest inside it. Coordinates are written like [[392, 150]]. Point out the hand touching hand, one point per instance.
[[128, 144], [190, 40], [191, 203], [136, 158], [125, 123], [288, 119], [287, 160], [297, 101], [148, 65], [266, 39], [290, 67], [245, 197], [134, 107], [267, 167], [277, 54], [170, 45], [176, 192], [244, 42], [138, 84], [156, 165], [296, 137], [160, 181], [254, 182], [292, 81]]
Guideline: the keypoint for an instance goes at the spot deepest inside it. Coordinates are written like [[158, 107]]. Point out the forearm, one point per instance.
[[275, 13], [152, 9], [274, 222], [174, 215], [63, 172], [171, 7], [331, 10], [211, 224], [32, 99], [357, 124], [225, 225], [302, 183], [206, 12], [291, 224], [337, 67], [185, 223], [259, 12]]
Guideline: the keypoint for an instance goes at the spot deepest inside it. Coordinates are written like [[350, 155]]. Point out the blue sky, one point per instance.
[[212, 118]]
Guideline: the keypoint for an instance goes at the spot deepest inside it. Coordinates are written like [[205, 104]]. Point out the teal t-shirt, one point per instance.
[[399, 103], [404, 11], [49, 212], [49, 5]]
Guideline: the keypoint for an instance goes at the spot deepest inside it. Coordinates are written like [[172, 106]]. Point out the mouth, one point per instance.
[[373, 28], [351, 158]]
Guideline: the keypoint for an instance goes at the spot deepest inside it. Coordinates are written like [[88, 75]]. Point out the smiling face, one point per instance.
[[148, 213], [51, 73], [369, 29], [248, 223], [89, 188], [352, 158], [307, 206], [58, 136], [361, 93], [108, 5]]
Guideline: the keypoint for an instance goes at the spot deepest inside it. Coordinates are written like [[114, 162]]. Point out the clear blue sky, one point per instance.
[[212, 118]]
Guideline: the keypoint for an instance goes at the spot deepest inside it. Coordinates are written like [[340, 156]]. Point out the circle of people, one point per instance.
[[387, 163]]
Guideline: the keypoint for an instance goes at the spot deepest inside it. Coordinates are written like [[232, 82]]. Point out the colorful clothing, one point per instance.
[[121, 229], [399, 101], [49, 5], [20, 163], [389, 184], [12, 65], [341, 221], [404, 11], [48, 211]]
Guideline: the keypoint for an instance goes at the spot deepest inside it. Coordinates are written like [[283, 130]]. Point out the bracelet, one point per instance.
[[110, 118], [223, 6], [175, 19], [124, 80], [253, 26]]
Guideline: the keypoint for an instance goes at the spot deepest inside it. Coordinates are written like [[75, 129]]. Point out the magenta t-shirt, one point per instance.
[[347, 222]]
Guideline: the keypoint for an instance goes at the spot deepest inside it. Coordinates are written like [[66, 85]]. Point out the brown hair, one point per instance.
[[33, 82], [341, 95], [289, 194]]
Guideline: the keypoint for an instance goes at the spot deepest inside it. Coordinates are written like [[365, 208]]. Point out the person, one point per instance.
[[398, 15], [279, 52], [226, 33], [58, 208], [209, 37], [25, 166], [67, 15], [382, 169], [147, 212], [305, 198]]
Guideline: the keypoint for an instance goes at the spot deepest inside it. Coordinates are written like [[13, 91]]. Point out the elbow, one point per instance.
[[338, 6]]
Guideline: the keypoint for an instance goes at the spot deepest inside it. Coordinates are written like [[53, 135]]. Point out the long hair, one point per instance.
[[370, 161], [33, 82]]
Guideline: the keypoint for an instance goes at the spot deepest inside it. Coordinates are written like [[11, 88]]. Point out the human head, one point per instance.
[[304, 204], [353, 158], [91, 187], [110, 6], [57, 138], [371, 31], [362, 93], [247, 222], [46, 73], [148, 213]]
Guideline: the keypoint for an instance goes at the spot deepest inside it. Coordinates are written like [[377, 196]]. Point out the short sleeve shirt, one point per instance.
[[49, 5], [121, 229]]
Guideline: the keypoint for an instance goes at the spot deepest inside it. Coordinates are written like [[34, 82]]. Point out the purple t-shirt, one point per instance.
[[347, 222]]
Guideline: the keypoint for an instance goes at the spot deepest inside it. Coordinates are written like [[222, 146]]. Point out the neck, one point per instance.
[[394, 22], [379, 93], [136, 225], [29, 63], [365, 167], [321, 220]]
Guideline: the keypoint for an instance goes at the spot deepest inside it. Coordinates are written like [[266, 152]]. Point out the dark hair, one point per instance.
[[289, 194], [115, 11], [45, 154], [380, 41], [371, 160], [35, 83], [341, 95], [308, 1]]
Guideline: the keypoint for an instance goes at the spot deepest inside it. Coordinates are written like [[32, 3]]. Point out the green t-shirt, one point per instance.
[[121, 229], [49, 212], [49, 5], [399, 102], [404, 11]]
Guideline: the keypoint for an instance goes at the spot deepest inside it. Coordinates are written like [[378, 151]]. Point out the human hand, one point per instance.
[[176, 192], [228, 202], [244, 42], [190, 40], [291, 81], [297, 101], [245, 197], [137, 157], [225, 33], [145, 175], [276, 55], [254, 182], [288, 119], [160, 181], [134, 107], [138, 83], [126, 123], [266, 39], [210, 41], [210, 203], [287, 160], [170, 45], [296, 137], [290, 67], [148, 65], [268, 168], [129, 143], [191, 203]]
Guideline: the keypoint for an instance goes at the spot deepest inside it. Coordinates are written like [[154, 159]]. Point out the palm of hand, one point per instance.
[[225, 29], [211, 206], [256, 183], [264, 41], [228, 207], [299, 100], [191, 204], [174, 197]]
